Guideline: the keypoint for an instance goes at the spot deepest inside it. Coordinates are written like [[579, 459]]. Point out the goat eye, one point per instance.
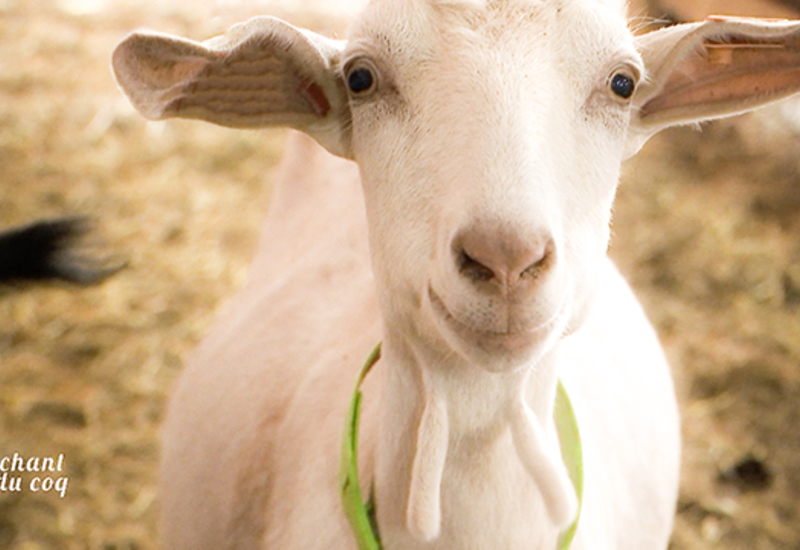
[[622, 85], [360, 80]]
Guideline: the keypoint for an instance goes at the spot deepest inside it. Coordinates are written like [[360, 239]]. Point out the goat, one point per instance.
[[470, 237], [50, 250]]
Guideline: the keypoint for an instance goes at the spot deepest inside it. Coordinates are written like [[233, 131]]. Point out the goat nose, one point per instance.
[[502, 256]]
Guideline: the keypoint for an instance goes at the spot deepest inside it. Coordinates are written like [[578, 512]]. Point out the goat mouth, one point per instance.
[[492, 341]]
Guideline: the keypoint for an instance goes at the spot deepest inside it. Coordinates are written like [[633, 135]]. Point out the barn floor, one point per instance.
[[707, 228]]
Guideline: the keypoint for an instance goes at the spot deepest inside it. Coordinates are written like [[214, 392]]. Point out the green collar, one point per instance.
[[361, 515]]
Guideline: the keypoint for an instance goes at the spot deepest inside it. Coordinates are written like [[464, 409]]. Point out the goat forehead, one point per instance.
[[476, 10], [420, 21], [497, 80], [414, 33]]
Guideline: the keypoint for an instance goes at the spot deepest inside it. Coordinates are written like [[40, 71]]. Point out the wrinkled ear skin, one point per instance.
[[157, 71], [262, 73], [712, 69]]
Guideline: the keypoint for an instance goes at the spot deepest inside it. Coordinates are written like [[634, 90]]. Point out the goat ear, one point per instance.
[[261, 73], [720, 67]]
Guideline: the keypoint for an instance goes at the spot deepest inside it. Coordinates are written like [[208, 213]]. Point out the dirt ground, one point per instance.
[[707, 229]]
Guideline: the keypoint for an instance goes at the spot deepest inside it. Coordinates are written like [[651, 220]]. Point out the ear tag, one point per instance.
[[743, 19], [720, 53]]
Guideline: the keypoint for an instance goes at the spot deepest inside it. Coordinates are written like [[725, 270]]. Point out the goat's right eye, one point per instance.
[[360, 80], [622, 85]]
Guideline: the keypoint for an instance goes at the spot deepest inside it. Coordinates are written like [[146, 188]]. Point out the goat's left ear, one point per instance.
[[720, 67], [261, 73]]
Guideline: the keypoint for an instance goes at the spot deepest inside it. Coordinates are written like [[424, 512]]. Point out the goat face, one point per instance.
[[489, 142], [489, 136]]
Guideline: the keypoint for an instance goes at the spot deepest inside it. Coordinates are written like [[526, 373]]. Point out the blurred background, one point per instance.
[[707, 229]]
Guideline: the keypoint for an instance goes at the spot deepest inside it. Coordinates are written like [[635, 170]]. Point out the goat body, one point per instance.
[[470, 237], [262, 404]]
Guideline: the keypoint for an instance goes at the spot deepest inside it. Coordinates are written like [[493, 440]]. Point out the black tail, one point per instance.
[[50, 249]]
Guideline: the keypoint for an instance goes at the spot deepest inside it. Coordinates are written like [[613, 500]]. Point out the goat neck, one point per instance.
[[447, 430]]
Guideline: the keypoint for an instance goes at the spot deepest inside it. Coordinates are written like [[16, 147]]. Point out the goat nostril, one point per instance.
[[473, 269], [538, 266]]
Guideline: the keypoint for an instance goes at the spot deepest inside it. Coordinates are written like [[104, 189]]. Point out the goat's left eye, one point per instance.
[[361, 79], [622, 85]]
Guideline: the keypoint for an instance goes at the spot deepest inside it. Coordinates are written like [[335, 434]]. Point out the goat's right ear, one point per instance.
[[716, 68], [261, 73]]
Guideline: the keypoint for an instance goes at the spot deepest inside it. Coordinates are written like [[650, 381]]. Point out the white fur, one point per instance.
[[487, 160]]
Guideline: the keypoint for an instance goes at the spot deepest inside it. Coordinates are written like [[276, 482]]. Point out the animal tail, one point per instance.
[[53, 249]]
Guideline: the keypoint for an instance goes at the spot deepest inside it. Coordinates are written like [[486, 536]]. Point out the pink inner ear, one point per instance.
[[730, 71], [315, 96]]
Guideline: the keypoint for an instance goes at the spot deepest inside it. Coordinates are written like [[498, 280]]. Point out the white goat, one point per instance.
[[488, 137]]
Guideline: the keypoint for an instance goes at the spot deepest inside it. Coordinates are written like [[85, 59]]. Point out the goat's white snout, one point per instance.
[[501, 291], [506, 260]]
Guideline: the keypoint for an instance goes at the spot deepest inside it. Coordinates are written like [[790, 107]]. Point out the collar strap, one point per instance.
[[361, 515]]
